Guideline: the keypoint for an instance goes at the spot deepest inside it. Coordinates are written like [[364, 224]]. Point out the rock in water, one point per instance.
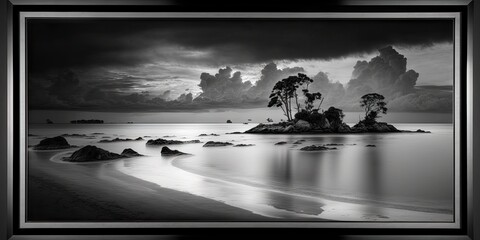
[[128, 152], [161, 141], [280, 143], [244, 145], [364, 126], [91, 153], [216, 144], [169, 152], [316, 148], [303, 126], [121, 140], [52, 143], [422, 131], [370, 145]]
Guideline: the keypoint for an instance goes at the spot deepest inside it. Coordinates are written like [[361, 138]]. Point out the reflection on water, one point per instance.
[[406, 177]]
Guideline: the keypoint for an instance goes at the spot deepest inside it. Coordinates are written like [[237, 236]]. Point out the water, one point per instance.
[[406, 177]]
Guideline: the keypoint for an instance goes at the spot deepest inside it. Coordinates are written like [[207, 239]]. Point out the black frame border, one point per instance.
[[470, 185]]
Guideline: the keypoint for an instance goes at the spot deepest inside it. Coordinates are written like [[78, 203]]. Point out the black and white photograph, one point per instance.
[[241, 119]]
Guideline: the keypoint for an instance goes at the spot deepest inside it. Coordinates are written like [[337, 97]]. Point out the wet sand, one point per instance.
[[97, 192]]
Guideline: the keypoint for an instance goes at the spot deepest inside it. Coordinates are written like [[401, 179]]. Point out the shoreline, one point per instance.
[[309, 194], [98, 192]]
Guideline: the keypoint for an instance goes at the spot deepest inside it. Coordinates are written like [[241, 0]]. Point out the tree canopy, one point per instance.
[[285, 92], [373, 104]]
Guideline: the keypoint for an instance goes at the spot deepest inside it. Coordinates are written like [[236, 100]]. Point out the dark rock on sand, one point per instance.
[[120, 140], [169, 152], [370, 145], [128, 152], [316, 148], [58, 142], [161, 141], [91, 153], [216, 144], [244, 145], [280, 143]]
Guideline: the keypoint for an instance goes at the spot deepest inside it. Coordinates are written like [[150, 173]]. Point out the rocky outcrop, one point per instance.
[[244, 145], [161, 141], [58, 142], [280, 143], [120, 140], [217, 144], [91, 153], [229, 121], [169, 152], [128, 152], [316, 148], [363, 127], [206, 135], [270, 128], [302, 126], [422, 131], [235, 133]]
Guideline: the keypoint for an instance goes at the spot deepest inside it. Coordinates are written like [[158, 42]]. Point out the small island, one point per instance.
[[90, 121], [310, 118]]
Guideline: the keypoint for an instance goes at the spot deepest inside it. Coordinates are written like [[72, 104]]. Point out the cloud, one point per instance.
[[271, 74], [82, 43], [386, 74], [222, 87], [333, 92]]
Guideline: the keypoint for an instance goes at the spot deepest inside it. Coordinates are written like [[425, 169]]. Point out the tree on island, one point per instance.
[[373, 104], [285, 91]]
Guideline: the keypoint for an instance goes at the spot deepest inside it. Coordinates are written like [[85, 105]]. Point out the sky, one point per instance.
[[228, 66]]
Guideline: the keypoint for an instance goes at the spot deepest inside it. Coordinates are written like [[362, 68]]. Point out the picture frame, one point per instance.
[[12, 134]]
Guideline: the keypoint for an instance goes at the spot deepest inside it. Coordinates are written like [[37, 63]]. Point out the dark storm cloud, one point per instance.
[[59, 44]]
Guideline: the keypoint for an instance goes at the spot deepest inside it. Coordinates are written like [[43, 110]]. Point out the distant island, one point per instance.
[[310, 118], [90, 121]]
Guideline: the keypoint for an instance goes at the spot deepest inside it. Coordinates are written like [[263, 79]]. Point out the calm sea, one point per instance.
[[405, 177]]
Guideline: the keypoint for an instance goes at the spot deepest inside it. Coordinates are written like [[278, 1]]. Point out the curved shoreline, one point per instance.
[[97, 191], [309, 194]]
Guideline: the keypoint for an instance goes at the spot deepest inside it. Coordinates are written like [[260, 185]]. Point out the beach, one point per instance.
[[97, 192]]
